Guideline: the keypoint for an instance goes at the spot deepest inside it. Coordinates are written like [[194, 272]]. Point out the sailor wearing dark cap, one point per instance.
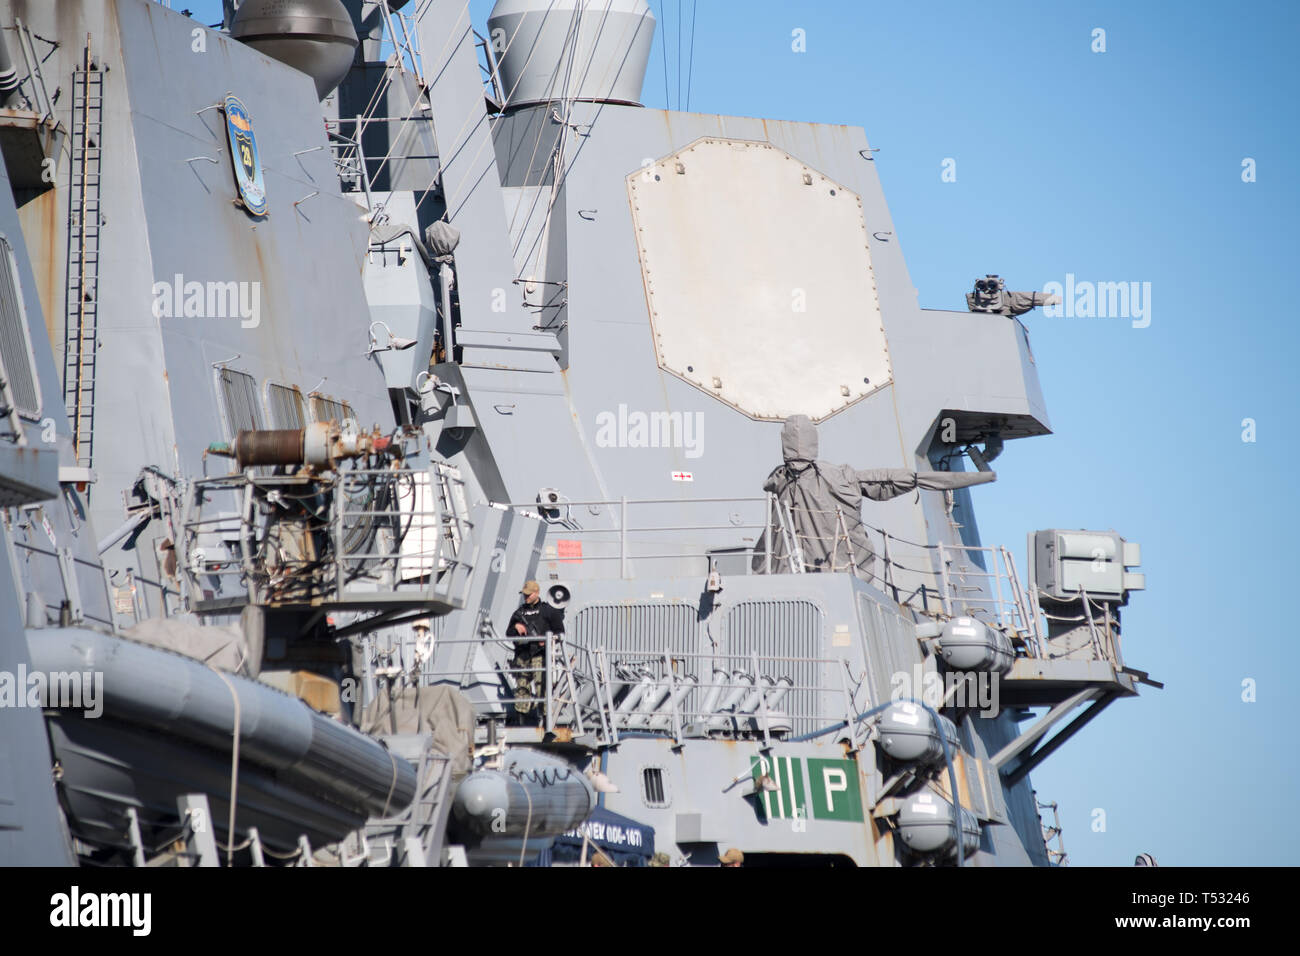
[[534, 617]]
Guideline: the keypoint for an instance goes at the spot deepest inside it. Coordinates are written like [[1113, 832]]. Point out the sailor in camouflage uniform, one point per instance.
[[534, 617]]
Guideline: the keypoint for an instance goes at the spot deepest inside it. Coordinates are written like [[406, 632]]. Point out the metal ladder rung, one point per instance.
[[81, 337]]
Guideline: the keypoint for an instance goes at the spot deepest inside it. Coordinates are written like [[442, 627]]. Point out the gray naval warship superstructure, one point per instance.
[[327, 327]]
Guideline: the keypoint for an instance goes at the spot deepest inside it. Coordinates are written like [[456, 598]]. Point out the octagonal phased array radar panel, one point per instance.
[[758, 279]]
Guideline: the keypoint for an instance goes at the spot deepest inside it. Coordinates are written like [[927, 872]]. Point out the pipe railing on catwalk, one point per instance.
[[759, 535]]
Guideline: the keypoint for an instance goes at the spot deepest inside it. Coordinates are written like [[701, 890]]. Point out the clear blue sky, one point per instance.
[[1117, 166]]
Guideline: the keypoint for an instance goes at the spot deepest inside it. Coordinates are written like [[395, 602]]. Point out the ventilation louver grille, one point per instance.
[[637, 628], [782, 628], [327, 410], [286, 406], [652, 780], [239, 399]]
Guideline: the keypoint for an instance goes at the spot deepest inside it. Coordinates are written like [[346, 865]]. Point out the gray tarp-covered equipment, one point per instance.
[[223, 647], [439, 710], [825, 502]]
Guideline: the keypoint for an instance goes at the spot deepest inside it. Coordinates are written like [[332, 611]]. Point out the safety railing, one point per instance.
[[401, 41], [731, 695], [349, 161], [490, 69], [358, 172], [136, 598], [762, 534], [607, 695], [422, 821], [989, 590], [1052, 832], [527, 679], [139, 597], [359, 537], [1098, 620], [404, 36], [627, 536], [70, 607]]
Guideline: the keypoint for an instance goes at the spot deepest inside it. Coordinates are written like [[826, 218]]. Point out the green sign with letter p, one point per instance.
[[833, 785]]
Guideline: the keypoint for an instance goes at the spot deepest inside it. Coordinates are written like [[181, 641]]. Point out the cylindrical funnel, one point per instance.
[[571, 49]]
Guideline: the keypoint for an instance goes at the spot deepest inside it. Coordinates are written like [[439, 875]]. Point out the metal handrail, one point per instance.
[[961, 585], [424, 542], [71, 592], [681, 681], [491, 69]]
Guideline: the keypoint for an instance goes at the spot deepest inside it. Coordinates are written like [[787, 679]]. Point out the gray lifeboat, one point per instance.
[[166, 730], [967, 644], [909, 733], [928, 826], [519, 809]]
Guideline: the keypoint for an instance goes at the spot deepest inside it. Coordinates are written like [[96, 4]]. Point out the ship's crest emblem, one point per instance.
[[244, 158]]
